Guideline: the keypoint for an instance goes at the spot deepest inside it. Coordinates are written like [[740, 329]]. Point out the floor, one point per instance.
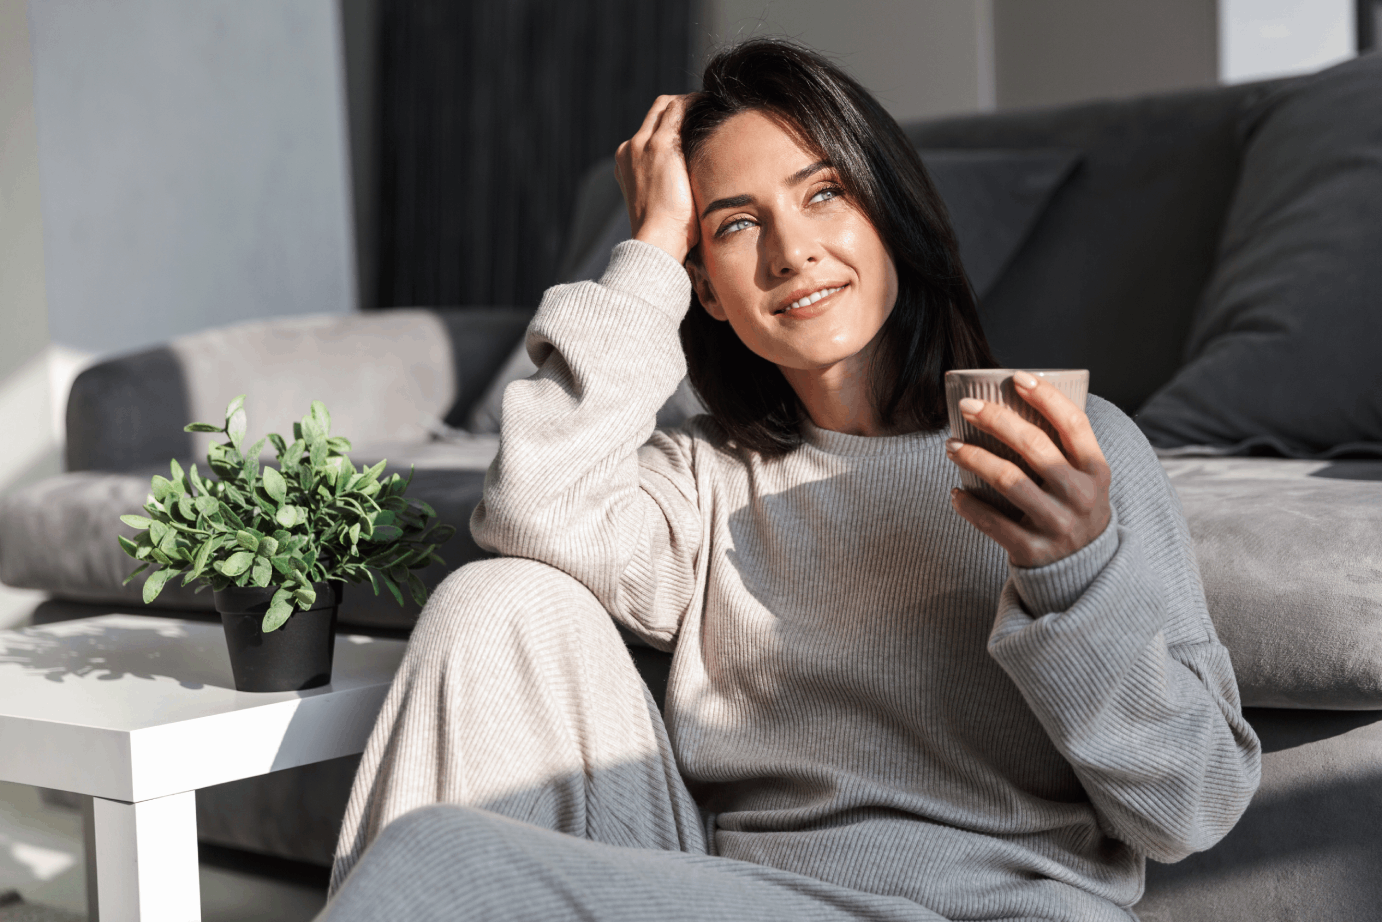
[[41, 850], [41, 857]]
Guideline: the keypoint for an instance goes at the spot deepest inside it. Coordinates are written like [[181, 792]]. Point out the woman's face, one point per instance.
[[793, 266]]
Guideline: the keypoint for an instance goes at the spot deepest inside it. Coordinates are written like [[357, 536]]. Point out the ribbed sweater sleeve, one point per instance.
[[1114, 651], [581, 482]]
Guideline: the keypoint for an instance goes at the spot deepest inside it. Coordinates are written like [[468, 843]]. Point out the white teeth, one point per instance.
[[812, 298]]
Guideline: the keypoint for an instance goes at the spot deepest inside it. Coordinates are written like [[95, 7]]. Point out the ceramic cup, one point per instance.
[[996, 386]]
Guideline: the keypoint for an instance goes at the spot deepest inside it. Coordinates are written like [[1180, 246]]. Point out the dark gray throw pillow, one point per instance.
[[995, 198], [1284, 351]]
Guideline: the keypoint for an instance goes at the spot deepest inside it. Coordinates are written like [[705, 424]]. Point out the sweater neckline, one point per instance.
[[840, 443]]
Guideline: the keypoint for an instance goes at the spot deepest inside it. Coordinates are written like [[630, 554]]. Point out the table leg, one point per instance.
[[145, 860]]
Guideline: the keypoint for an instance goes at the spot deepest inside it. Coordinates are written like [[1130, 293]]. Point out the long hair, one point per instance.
[[933, 327]]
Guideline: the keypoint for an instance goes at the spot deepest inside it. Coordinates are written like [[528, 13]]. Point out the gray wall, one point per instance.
[[919, 57], [925, 58], [193, 163], [1061, 51]]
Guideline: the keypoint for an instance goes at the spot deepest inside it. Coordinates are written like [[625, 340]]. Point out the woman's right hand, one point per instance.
[[652, 175]]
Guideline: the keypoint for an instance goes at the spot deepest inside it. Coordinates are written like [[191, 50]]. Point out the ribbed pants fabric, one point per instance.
[[520, 769]]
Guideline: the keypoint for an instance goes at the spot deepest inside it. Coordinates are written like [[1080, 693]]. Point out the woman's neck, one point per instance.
[[839, 397]]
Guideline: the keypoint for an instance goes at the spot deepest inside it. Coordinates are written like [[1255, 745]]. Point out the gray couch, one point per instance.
[[1211, 258]]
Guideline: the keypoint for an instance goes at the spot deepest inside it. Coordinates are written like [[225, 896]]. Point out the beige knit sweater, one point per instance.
[[863, 690]]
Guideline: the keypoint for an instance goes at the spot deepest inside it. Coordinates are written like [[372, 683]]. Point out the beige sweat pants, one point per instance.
[[531, 777]]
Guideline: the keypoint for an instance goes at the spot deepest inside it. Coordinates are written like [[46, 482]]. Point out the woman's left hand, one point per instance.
[[1069, 509]]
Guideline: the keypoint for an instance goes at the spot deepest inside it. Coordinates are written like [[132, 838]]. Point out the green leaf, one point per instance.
[[416, 589], [339, 444], [441, 534], [354, 533], [390, 585], [306, 596], [280, 608], [155, 583], [236, 425], [246, 540], [283, 564], [138, 570], [287, 516], [159, 556], [268, 546], [136, 521], [202, 427], [161, 487], [386, 533], [234, 405], [186, 509], [321, 417], [262, 572], [317, 455], [128, 546], [203, 555], [311, 432], [206, 505], [158, 531], [237, 563], [229, 516], [275, 485]]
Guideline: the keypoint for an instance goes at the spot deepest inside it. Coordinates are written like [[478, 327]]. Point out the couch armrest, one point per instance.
[[386, 376]]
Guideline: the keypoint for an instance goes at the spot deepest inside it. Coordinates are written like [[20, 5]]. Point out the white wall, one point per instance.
[[193, 165], [25, 407], [1259, 39], [919, 57]]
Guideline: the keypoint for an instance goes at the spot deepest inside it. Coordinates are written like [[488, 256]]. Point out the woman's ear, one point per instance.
[[705, 291]]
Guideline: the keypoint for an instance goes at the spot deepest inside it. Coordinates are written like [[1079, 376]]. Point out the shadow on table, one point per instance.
[[114, 652]]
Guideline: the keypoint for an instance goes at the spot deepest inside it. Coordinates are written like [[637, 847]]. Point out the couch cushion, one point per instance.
[[1291, 556], [1110, 275], [59, 535], [1283, 354]]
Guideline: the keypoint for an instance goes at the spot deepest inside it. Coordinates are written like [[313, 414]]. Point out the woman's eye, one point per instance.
[[825, 195], [737, 224]]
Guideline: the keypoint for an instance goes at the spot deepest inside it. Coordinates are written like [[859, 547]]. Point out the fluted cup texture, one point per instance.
[[995, 385]]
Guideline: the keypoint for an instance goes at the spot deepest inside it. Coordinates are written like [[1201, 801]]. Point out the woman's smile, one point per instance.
[[805, 303]]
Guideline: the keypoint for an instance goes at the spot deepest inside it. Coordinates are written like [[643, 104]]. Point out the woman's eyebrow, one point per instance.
[[807, 172], [734, 201]]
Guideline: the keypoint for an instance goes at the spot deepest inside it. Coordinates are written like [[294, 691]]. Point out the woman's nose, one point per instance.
[[791, 247]]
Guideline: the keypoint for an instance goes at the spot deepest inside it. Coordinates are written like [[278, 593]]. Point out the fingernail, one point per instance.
[[952, 446], [1024, 380], [969, 406]]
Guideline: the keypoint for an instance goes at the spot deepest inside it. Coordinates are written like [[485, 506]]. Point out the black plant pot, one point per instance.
[[295, 656]]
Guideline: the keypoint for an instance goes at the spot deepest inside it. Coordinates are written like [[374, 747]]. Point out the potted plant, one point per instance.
[[277, 544]]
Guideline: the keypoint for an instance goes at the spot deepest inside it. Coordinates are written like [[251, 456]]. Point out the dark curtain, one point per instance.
[[489, 113]]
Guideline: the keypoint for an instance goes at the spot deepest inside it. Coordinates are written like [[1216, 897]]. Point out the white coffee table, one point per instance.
[[139, 712]]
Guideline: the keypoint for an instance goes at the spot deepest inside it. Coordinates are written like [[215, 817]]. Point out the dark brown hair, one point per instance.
[[934, 325]]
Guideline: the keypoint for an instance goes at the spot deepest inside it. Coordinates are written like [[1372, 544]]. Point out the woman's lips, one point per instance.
[[814, 308]]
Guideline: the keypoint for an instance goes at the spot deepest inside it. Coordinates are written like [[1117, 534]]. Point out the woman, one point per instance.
[[878, 709]]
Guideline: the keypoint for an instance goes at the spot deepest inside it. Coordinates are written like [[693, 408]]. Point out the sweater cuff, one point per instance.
[[650, 274], [1057, 586]]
